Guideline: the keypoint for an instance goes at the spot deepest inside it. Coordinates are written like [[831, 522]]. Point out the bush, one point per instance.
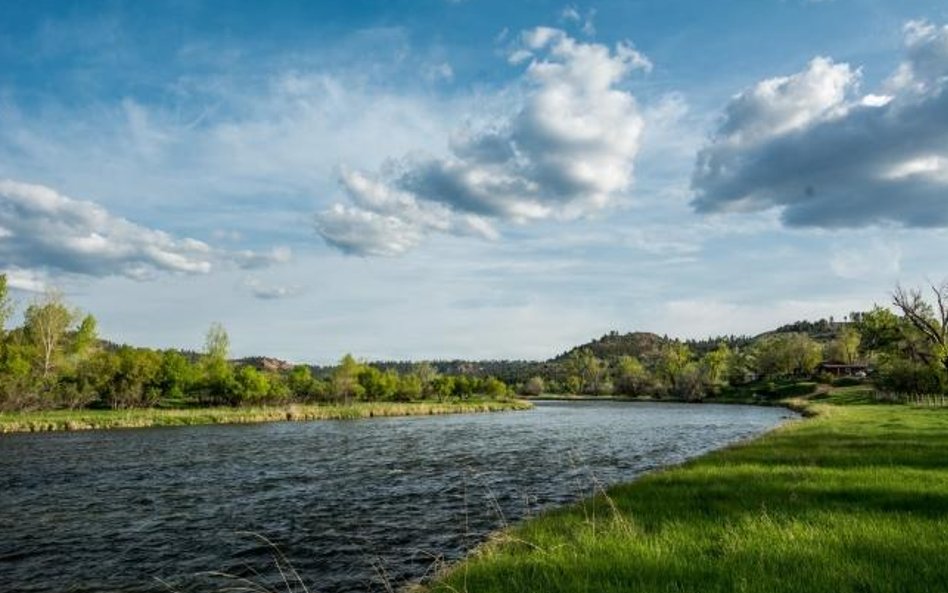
[[846, 381]]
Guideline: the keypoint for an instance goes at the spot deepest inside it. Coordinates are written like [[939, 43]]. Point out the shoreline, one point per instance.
[[766, 514], [79, 420]]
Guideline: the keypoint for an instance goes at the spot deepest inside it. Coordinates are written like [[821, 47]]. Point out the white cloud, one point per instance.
[[810, 145], [249, 260], [701, 318], [45, 230], [271, 292], [26, 280], [571, 14], [566, 152], [872, 259], [441, 71]]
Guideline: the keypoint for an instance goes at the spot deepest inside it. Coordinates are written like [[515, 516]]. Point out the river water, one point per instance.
[[354, 505]]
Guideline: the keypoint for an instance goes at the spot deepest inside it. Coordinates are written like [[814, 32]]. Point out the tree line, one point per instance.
[[902, 351], [56, 359]]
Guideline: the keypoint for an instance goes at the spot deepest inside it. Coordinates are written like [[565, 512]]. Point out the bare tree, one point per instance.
[[931, 322]]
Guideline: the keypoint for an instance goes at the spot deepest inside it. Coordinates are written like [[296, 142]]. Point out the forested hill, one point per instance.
[[644, 346]]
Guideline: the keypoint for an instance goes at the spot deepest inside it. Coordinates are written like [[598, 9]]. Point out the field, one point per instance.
[[852, 499]]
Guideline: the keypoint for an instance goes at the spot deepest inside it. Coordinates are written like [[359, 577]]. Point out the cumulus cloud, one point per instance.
[[570, 13], [566, 152], [26, 280], [873, 259], [43, 230], [814, 146], [270, 292]]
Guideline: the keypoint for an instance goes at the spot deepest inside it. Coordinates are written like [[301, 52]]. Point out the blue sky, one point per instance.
[[469, 179]]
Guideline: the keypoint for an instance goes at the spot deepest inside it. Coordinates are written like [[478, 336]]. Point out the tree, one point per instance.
[[301, 383], [588, 368], [845, 347], [6, 304], [378, 385], [786, 354], [253, 386], [931, 322], [217, 342], [427, 373], [493, 387], [46, 321], [715, 365], [137, 378], [880, 330], [345, 379], [631, 376], [534, 386], [85, 338], [177, 376], [409, 387], [673, 364]]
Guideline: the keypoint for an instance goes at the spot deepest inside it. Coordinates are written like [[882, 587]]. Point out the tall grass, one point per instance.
[[103, 419], [852, 500]]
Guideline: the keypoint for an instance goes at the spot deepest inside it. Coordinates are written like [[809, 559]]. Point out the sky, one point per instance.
[[438, 179]]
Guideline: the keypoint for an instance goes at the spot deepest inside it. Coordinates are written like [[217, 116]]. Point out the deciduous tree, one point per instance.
[[46, 322]]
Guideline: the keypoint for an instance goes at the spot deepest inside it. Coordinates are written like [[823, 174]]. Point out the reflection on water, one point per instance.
[[116, 510]]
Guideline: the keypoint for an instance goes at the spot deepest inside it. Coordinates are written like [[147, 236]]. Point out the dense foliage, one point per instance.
[[56, 360]]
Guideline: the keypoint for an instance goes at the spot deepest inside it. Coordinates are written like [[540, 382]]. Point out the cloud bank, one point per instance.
[[828, 156], [43, 230], [566, 152]]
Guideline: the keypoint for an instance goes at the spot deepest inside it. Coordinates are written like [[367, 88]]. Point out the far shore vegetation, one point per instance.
[[56, 373], [55, 361], [89, 419]]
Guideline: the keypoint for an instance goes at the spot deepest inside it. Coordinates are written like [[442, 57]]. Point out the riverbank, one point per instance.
[[854, 498], [59, 420]]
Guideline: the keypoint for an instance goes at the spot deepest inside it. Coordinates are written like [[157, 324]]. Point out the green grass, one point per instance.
[[102, 419], [854, 499]]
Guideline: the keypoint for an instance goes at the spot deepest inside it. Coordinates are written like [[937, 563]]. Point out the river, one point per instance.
[[354, 505]]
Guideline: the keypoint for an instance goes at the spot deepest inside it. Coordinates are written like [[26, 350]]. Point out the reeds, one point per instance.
[[58, 420]]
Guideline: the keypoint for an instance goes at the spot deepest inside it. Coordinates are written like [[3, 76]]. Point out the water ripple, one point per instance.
[[116, 510]]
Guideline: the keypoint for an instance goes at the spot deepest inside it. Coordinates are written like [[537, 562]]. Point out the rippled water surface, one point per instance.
[[345, 501]]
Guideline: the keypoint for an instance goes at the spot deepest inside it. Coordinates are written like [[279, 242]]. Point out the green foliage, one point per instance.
[[409, 388], [588, 368], [534, 386], [6, 304], [85, 338], [302, 386], [715, 366], [786, 355], [253, 386], [46, 322], [845, 347], [492, 387], [136, 379], [378, 385], [908, 379], [345, 385], [217, 342], [880, 330]]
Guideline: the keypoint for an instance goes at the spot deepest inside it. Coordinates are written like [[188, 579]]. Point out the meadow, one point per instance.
[[853, 498]]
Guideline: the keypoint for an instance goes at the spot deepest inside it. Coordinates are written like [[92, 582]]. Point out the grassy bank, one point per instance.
[[854, 499], [102, 419]]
